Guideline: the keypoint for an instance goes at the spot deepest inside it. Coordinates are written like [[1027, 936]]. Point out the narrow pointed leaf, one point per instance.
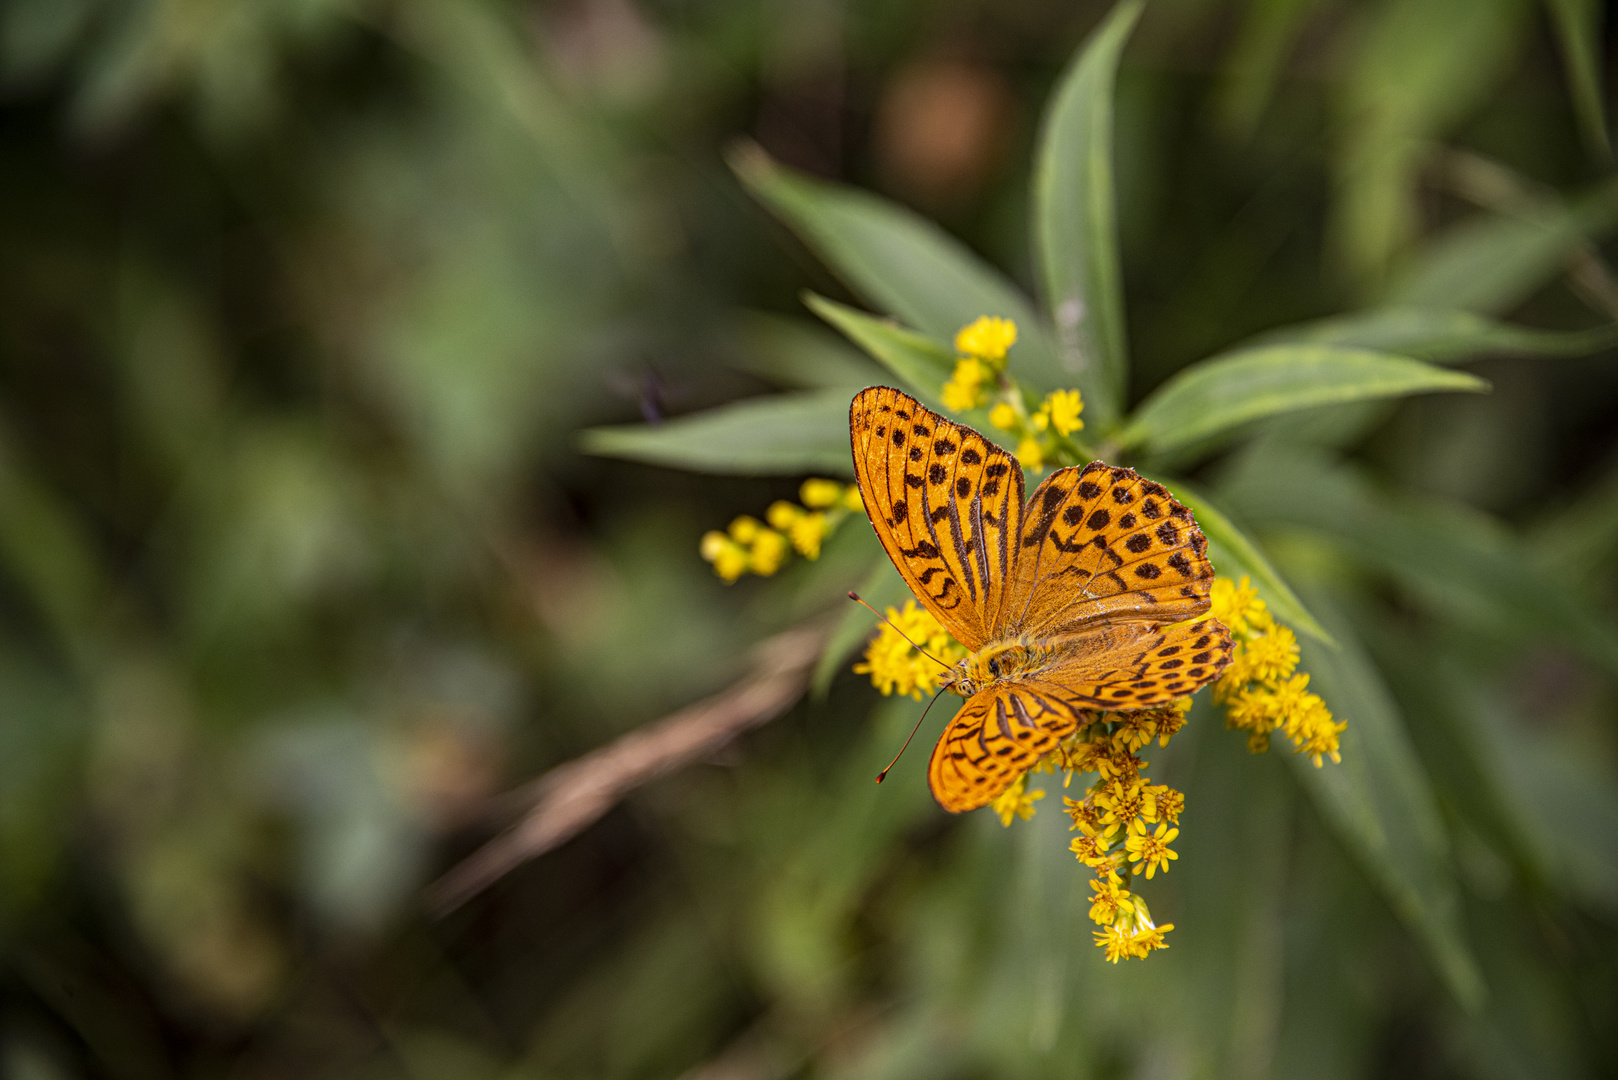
[[899, 262], [1493, 262], [921, 364], [1075, 219], [789, 434], [798, 355], [1441, 337], [1218, 394]]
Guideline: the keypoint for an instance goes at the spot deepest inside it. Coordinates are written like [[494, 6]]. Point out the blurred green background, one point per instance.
[[305, 304]]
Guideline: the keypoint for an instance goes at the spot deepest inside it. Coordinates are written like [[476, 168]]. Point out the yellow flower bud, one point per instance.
[[819, 494], [744, 529], [1004, 417], [987, 337], [782, 514], [769, 552]]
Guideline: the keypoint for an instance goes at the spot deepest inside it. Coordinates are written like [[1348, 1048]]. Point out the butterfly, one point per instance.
[[1089, 597]]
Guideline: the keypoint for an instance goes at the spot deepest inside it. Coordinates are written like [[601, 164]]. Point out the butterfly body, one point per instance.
[[1090, 597]]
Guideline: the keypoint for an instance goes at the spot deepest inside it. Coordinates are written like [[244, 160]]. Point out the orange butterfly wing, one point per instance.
[[999, 734], [1005, 728], [946, 504], [1099, 544]]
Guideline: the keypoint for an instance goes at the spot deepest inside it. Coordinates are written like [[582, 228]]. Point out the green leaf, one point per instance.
[[1459, 561], [900, 262], [921, 364], [1578, 28], [1494, 262], [790, 434], [1234, 555], [1380, 803], [1215, 395], [882, 588], [1441, 337], [1075, 219], [798, 355]]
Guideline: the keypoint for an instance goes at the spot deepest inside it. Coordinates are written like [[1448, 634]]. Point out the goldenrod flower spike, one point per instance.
[[763, 548]]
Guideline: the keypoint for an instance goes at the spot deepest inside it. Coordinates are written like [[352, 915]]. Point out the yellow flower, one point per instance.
[[820, 494], [1030, 454], [728, 557], [1041, 418], [1016, 801], [896, 667], [744, 529], [1064, 407], [987, 337], [1094, 852], [853, 500], [768, 553], [1168, 803], [964, 390], [807, 532], [1151, 849], [1110, 898], [1003, 416], [1235, 604], [782, 514]]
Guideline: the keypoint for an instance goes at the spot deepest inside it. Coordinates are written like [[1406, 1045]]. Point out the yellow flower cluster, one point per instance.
[[750, 545], [1041, 432], [894, 664], [1260, 693], [1115, 820], [983, 345]]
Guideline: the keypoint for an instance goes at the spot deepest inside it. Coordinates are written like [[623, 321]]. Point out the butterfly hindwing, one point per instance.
[[999, 733], [1101, 542], [946, 504], [1136, 664]]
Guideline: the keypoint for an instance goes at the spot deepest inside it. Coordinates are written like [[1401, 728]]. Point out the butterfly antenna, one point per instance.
[[883, 775], [854, 596]]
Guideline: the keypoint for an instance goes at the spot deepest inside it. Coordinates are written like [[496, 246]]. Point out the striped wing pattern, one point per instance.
[[1000, 732], [946, 504], [1104, 543]]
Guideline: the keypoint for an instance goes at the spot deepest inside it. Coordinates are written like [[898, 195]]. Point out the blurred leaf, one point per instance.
[[1379, 801], [1075, 220], [1580, 540], [1441, 337], [882, 588], [1256, 60], [1578, 28], [1218, 394], [790, 434], [45, 550], [1493, 262], [1414, 70], [1234, 555], [899, 262], [798, 355], [1458, 560], [921, 364]]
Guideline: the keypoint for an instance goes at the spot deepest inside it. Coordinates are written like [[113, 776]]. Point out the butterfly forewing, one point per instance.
[[1102, 543], [1000, 733], [946, 504]]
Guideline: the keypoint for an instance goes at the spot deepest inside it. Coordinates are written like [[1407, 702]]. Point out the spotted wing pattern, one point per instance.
[[1000, 732], [1103, 543], [1137, 664], [946, 504]]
